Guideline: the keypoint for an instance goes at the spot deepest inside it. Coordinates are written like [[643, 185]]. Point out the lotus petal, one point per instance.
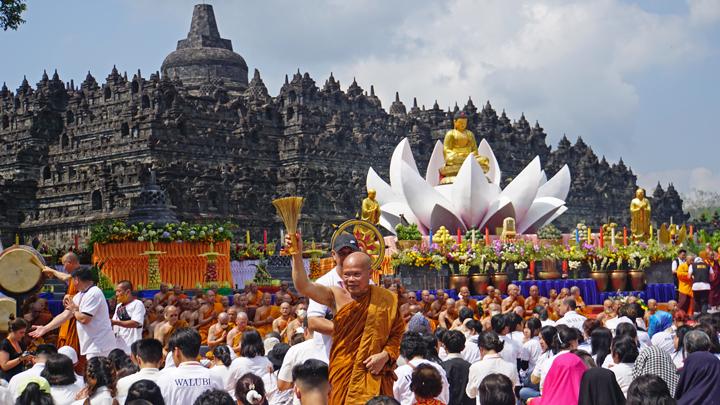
[[497, 212], [471, 193], [443, 217], [385, 193], [559, 212], [541, 210], [558, 186], [437, 161], [523, 189], [494, 174], [420, 196], [401, 154], [391, 213]]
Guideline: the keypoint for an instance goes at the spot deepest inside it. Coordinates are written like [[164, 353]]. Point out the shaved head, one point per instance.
[[361, 259], [356, 270]]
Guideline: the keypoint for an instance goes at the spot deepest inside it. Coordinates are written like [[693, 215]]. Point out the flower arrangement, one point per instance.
[[119, 231], [418, 257], [550, 232], [408, 232]]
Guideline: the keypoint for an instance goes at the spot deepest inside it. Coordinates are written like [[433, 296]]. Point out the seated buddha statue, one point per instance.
[[459, 143]]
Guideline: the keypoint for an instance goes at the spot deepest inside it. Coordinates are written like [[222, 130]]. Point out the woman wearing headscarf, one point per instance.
[[599, 387], [698, 383], [660, 331], [562, 385], [656, 361]]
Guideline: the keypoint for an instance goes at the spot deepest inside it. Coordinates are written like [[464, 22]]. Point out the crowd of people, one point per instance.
[[341, 339]]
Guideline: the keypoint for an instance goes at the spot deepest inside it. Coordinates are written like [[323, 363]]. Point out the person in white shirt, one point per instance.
[[221, 363], [624, 353], [569, 316], [564, 340], [64, 383], [129, 315], [532, 346], [316, 312], [100, 383], [511, 350], [148, 353], [72, 355], [186, 382], [311, 382], [490, 347], [414, 349], [41, 356], [90, 311], [310, 349], [252, 360]]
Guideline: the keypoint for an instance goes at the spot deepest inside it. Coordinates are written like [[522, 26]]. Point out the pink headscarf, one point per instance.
[[562, 384]]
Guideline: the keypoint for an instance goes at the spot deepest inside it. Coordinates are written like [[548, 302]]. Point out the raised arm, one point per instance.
[[40, 330], [315, 291]]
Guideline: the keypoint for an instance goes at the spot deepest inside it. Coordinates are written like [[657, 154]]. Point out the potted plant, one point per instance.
[[639, 261], [549, 269], [459, 277], [618, 276], [480, 280], [549, 235], [408, 236]]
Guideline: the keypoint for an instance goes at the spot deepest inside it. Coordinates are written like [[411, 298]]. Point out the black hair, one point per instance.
[[710, 331], [431, 347], [122, 363], [58, 370], [214, 397], [133, 347], [145, 390], [580, 336], [600, 342], [297, 338], [465, 313], [680, 335], [589, 326], [33, 395], [126, 284], [426, 381], [547, 334], [534, 325], [496, 389], [475, 325], [585, 357], [570, 302], [697, 340], [187, 340], [251, 344], [84, 274], [490, 341], [649, 389], [412, 345], [542, 312], [626, 329], [513, 320], [310, 374], [681, 251], [100, 373], [149, 350], [454, 341], [440, 333], [564, 336], [498, 323], [249, 382], [17, 324], [223, 354], [625, 348], [277, 355], [45, 348], [382, 400]]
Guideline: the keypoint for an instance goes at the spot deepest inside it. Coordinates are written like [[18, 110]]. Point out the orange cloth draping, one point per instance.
[[180, 265]]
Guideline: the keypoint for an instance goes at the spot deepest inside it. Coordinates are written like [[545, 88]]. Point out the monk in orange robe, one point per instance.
[[254, 295], [367, 328], [206, 320], [216, 300], [581, 307], [265, 315]]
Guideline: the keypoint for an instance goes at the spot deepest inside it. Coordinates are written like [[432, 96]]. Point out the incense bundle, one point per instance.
[[288, 209]]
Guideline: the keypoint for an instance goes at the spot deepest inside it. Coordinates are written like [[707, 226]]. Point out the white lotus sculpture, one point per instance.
[[474, 200]]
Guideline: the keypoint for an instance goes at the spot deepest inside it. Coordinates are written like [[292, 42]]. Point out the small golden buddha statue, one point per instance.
[[640, 216], [459, 143], [508, 231], [370, 208]]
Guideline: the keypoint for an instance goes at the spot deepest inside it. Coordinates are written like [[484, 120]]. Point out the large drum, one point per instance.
[[21, 270]]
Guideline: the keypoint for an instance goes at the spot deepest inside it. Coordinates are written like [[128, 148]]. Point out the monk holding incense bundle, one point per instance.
[[367, 332]]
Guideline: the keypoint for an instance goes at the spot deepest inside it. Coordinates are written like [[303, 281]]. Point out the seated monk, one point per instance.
[[264, 316], [367, 328], [232, 314], [190, 312], [464, 295], [215, 300], [532, 301], [410, 300], [449, 315], [217, 333], [285, 288], [514, 299], [254, 295], [178, 293], [161, 297], [235, 335], [169, 325], [206, 317], [281, 323], [492, 297], [439, 304], [581, 308], [299, 322], [240, 302]]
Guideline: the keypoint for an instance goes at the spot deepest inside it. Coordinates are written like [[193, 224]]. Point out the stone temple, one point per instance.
[[221, 147]]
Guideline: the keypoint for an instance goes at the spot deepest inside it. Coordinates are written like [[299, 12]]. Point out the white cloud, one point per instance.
[[704, 11], [684, 180]]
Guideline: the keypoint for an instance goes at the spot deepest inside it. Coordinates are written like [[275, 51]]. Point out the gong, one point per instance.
[[21, 269]]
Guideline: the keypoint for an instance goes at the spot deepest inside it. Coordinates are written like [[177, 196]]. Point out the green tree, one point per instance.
[[10, 14]]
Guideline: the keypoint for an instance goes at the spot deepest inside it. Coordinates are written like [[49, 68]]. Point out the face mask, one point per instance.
[[301, 313], [121, 298]]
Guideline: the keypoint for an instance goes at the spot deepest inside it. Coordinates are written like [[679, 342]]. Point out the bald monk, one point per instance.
[[162, 296], [264, 316], [280, 324], [532, 301], [217, 333], [449, 315], [581, 307], [464, 295], [235, 334], [172, 322], [254, 295], [206, 317], [367, 328], [514, 299]]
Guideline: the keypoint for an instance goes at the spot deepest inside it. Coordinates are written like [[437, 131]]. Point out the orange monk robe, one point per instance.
[[362, 328], [530, 304], [255, 300], [581, 308], [68, 333], [218, 307], [205, 329], [274, 312]]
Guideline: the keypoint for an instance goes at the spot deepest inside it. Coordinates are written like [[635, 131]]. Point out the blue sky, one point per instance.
[[635, 79]]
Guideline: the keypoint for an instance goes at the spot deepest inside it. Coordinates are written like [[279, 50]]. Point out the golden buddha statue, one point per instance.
[[508, 231], [370, 208], [640, 216], [459, 143]]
